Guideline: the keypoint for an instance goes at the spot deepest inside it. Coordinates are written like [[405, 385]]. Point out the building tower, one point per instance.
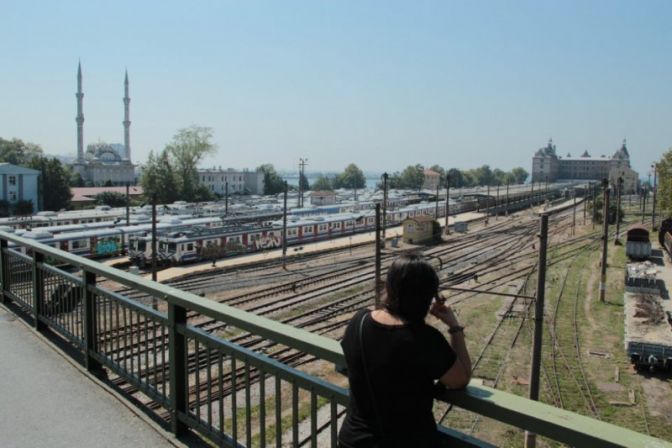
[[127, 122], [80, 117]]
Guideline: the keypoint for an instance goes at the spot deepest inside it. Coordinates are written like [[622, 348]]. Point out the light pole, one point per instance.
[[605, 238], [619, 187], [655, 188]]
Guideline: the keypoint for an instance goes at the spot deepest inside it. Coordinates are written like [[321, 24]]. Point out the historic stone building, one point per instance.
[[547, 165], [239, 182], [103, 163]]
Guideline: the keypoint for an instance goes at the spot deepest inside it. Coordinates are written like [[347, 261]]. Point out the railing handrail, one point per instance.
[[543, 419]]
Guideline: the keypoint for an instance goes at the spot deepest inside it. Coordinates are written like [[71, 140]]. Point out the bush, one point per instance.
[[111, 198]]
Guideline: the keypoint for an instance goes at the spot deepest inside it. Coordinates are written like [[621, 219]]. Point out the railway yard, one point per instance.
[[488, 275]]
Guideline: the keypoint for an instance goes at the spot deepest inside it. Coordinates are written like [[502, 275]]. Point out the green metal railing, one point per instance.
[[244, 390]]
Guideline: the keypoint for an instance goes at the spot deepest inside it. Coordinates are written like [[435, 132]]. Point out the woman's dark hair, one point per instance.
[[411, 285]]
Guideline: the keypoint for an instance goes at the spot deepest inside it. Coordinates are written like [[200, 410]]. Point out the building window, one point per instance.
[[12, 196], [12, 180]]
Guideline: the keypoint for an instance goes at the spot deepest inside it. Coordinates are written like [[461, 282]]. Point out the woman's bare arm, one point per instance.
[[458, 376]]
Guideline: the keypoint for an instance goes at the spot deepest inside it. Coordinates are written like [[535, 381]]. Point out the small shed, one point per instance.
[[322, 198], [420, 229]]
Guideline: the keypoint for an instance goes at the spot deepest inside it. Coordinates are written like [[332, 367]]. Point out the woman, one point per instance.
[[393, 359]]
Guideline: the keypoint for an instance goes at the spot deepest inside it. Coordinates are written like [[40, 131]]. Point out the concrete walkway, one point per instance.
[[46, 402]]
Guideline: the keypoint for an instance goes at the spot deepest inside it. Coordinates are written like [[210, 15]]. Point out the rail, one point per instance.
[[244, 393]]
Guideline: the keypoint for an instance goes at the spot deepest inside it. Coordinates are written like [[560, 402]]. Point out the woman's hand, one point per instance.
[[444, 313]]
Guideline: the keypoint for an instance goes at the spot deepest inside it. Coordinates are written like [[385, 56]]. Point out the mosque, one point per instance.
[[103, 163]]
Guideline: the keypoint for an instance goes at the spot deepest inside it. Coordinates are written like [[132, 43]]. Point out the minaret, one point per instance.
[[80, 116], [127, 122]]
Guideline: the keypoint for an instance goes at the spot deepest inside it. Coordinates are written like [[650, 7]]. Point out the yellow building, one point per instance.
[[421, 229]]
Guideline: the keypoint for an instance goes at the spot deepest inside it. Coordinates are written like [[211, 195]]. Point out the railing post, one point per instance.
[[90, 333], [177, 356], [4, 273], [38, 289]]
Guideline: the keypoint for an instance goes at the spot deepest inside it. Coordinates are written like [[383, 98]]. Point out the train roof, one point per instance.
[[197, 233]]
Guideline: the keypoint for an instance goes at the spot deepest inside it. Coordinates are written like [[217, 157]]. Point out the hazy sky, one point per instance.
[[383, 84]]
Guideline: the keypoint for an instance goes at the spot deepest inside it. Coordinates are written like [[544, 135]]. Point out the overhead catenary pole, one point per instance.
[[619, 183], [507, 198], [226, 198], [574, 215], [378, 257], [530, 438], [302, 167], [605, 238], [447, 202], [436, 204], [594, 190], [155, 303], [128, 205], [497, 204], [284, 227], [385, 176], [655, 188]]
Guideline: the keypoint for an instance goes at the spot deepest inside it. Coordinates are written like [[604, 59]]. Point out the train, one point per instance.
[[205, 244], [110, 241], [638, 243]]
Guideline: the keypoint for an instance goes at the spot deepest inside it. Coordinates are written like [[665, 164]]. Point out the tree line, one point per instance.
[[413, 177]]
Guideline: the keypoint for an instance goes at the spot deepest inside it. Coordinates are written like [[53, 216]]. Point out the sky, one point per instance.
[[383, 84]]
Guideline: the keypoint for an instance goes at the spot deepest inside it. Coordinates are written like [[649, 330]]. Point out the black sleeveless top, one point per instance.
[[403, 361]]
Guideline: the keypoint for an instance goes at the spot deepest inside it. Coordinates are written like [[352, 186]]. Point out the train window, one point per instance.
[[291, 232], [172, 247], [336, 225], [190, 246], [254, 237], [348, 224], [79, 244]]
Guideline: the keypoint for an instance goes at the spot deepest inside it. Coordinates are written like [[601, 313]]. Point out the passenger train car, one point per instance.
[[109, 242], [204, 244]]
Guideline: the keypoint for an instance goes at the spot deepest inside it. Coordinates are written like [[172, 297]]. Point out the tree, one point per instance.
[[111, 198], [76, 180], [351, 177], [322, 183], [273, 183], [189, 146], [413, 177], [5, 208], [159, 180], [54, 182], [17, 152], [456, 178], [519, 175], [23, 208]]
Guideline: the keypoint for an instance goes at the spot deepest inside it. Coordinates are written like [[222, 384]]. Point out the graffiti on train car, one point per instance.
[[107, 247], [268, 241]]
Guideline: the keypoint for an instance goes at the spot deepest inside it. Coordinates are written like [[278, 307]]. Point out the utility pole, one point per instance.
[[436, 205], [226, 198], [447, 201], [155, 304], [284, 228], [605, 238], [530, 438], [385, 176], [378, 256], [507, 197], [497, 204], [594, 188], [585, 201], [644, 194], [302, 168], [532, 194], [128, 205], [619, 184], [487, 202], [574, 215], [546, 195], [655, 188]]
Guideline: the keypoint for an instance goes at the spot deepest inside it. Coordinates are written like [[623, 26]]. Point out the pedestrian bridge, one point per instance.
[[168, 357]]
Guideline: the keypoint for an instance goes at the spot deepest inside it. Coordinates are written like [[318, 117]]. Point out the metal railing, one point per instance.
[[241, 390]]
